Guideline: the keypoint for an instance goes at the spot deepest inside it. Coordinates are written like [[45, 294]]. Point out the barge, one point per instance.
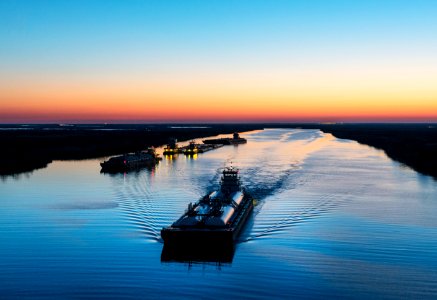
[[213, 222], [235, 140], [194, 148], [191, 149], [130, 161], [202, 148]]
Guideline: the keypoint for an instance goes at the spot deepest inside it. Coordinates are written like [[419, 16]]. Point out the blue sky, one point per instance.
[[54, 41], [68, 33]]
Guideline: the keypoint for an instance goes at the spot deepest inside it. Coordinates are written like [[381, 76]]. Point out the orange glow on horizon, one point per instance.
[[202, 100]]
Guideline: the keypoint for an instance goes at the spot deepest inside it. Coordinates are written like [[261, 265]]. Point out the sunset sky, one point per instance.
[[213, 61]]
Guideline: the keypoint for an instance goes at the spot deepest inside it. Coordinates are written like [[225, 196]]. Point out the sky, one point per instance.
[[218, 61]]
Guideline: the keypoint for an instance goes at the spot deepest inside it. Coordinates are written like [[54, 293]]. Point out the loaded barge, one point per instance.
[[130, 161], [215, 221], [192, 148], [235, 140]]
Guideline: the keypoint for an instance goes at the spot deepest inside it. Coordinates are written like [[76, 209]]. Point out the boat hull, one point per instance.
[[116, 168], [225, 141], [172, 151], [123, 164], [202, 237]]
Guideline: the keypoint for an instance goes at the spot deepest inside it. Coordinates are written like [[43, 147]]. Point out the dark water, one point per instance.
[[333, 219]]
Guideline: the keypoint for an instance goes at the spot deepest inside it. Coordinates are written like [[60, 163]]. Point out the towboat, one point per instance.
[[215, 221]]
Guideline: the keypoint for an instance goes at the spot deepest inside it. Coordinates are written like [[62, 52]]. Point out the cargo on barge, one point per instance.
[[216, 220], [130, 161], [235, 140]]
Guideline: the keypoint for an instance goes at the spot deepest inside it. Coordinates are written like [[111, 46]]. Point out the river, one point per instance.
[[333, 218]]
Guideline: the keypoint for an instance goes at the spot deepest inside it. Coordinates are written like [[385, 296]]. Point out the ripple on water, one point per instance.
[[333, 218], [270, 165]]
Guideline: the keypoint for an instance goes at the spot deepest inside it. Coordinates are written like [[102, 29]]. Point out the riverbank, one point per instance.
[[29, 147], [414, 145]]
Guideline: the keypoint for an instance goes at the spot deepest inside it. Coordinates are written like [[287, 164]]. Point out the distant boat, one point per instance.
[[236, 139], [191, 149], [172, 147], [215, 221], [130, 161]]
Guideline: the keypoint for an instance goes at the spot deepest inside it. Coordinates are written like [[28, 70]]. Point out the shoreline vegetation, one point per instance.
[[29, 147], [412, 144], [26, 148]]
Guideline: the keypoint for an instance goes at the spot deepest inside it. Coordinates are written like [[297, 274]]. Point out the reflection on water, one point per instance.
[[197, 255], [333, 218]]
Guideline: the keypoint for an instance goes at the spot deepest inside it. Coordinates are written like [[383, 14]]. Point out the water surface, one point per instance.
[[333, 219]]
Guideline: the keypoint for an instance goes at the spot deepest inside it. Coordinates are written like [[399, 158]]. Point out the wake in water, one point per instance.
[[271, 167], [134, 198], [275, 166], [273, 184]]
